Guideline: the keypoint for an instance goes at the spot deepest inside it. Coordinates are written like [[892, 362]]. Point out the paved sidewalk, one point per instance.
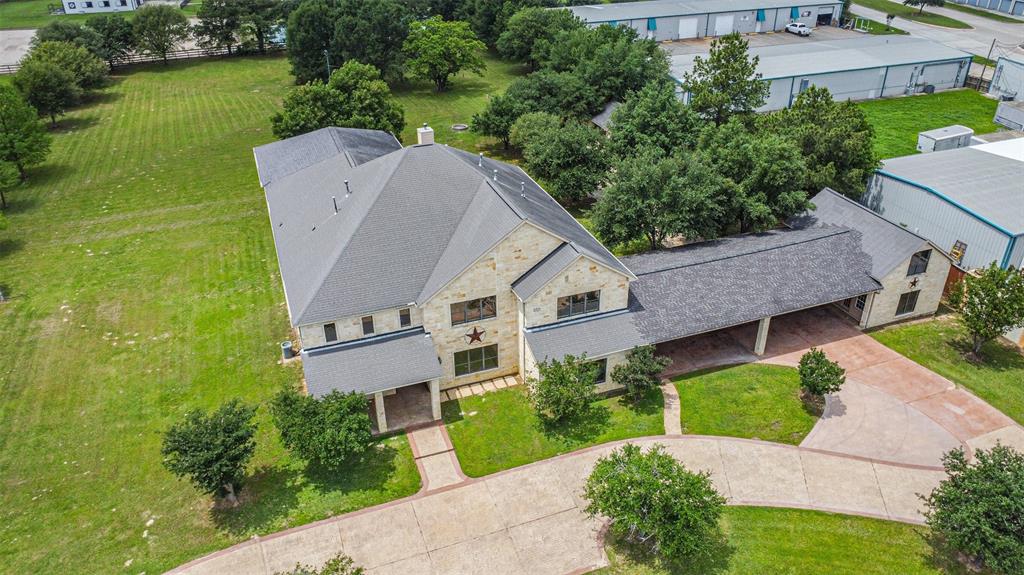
[[529, 520], [672, 414], [435, 457]]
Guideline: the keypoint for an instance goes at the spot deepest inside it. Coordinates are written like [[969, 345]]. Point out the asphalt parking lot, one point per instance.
[[703, 45]]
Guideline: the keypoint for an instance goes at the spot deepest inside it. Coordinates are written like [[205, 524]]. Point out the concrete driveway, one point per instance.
[[14, 44]]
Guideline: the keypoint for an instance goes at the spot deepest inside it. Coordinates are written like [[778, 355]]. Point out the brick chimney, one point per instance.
[[424, 135]]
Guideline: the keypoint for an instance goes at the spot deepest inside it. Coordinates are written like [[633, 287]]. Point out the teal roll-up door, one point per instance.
[[613, 23], [652, 23], [760, 14], [794, 13]]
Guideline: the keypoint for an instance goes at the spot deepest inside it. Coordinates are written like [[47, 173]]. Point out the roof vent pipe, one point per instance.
[[335, 200], [348, 192], [480, 160], [522, 189], [495, 175]]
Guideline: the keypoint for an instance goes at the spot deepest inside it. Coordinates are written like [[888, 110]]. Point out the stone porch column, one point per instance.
[[382, 421], [435, 398], [762, 335]]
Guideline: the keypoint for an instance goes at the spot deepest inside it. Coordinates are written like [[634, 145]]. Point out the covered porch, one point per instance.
[[398, 372]]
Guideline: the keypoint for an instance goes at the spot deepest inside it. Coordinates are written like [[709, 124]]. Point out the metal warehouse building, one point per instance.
[[1008, 6], [854, 69], [969, 201], [678, 19], [1008, 78]]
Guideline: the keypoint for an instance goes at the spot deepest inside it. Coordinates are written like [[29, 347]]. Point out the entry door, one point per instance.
[[723, 25], [688, 28]]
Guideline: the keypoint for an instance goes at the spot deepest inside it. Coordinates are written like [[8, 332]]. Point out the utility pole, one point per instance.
[[984, 65], [327, 55]]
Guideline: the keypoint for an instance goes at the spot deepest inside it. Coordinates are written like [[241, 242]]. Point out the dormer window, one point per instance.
[[404, 318], [579, 304], [919, 263]]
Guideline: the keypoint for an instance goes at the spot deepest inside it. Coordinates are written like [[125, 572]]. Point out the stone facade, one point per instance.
[[583, 275], [614, 359], [881, 308], [491, 275], [350, 328]]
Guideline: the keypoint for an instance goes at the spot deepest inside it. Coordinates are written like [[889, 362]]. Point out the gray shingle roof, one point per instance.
[[888, 244], [539, 275], [371, 365], [278, 159], [416, 218], [604, 119], [717, 284]]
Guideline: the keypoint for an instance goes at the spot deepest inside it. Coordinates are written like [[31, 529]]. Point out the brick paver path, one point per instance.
[[529, 520]]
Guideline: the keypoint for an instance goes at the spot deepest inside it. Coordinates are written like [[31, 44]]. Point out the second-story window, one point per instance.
[[474, 310], [919, 263], [330, 332], [367, 325], [580, 303], [404, 318]]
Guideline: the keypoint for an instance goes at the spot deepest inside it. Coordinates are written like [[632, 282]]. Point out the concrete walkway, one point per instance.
[[435, 457], [530, 520], [673, 417]]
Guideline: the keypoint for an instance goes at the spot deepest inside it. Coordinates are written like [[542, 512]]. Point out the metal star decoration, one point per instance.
[[477, 335], [913, 283]]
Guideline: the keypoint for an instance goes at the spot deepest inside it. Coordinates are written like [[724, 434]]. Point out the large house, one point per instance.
[[426, 267]]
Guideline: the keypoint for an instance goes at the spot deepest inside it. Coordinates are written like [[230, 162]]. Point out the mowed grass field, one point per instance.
[[36, 13], [897, 121]]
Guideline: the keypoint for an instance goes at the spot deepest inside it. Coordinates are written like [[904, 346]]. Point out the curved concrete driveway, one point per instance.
[[529, 520]]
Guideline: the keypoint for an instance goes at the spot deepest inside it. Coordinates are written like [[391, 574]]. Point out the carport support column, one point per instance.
[[382, 420], [762, 335], [435, 398]]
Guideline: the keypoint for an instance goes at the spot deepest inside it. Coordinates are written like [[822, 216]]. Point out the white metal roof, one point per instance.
[[595, 13], [822, 57]]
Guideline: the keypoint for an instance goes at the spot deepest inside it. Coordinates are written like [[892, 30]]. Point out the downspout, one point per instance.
[[1009, 251], [881, 93], [792, 82]]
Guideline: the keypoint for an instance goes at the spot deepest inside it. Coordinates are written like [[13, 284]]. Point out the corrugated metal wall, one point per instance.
[[668, 28], [942, 223], [1008, 79]]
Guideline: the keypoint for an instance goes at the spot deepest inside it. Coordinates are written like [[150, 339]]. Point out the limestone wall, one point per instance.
[[350, 328], [883, 306], [581, 276]]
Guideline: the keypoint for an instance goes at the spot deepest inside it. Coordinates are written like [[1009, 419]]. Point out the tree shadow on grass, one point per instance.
[[650, 403], [716, 561], [10, 246], [943, 557], [69, 124], [995, 355], [582, 428], [369, 471]]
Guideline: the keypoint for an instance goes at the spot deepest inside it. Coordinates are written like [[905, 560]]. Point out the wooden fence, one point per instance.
[[188, 54]]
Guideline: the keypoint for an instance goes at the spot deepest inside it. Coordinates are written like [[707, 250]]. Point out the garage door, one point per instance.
[[1018, 8], [940, 75], [688, 28], [1004, 5], [723, 25]]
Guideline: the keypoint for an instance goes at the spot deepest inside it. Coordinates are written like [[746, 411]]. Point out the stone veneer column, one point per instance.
[[382, 421], [435, 398], [762, 335]]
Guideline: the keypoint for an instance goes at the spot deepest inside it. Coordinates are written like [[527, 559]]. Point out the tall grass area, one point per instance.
[[897, 121], [143, 282]]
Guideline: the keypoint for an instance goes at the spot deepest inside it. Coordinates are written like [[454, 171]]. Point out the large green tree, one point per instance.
[[640, 372], [564, 387], [991, 303], [220, 23], [572, 160], [355, 97], [68, 31], [654, 116], [726, 82], [85, 67], [978, 508], [117, 37], [24, 141], [50, 89], [835, 139], [160, 29], [259, 20], [330, 430], [532, 126], [653, 196], [488, 18], [212, 450], [372, 32], [437, 50], [309, 37], [653, 501], [530, 32]]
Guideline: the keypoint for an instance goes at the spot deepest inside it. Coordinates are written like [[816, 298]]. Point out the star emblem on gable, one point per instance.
[[477, 335], [913, 283]]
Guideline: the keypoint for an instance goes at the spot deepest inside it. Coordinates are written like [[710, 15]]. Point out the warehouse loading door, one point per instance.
[[688, 28], [825, 16], [723, 25]]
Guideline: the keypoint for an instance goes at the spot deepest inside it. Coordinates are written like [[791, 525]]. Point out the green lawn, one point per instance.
[[898, 120], [911, 13], [499, 430], [939, 345], [982, 13], [983, 60], [750, 400], [764, 540], [35, 13], [144, 282], [880, 29]]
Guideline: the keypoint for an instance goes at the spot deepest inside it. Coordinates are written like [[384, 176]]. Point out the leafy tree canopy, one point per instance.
[[87, 70], [71, 32], [564, 388], [24, 141], [338, 565], [653, 501], [260, 18], [212, 450], [160, 28], [220, 22], [654, 116], [532, 126], [330, 430], [726, 82], [640, 372], [50, 89], [990, 304], [530, 32], [372, 32], [117, 37], [923, 3], [437, 50], [819, 375], [309, 36], [571, 160]]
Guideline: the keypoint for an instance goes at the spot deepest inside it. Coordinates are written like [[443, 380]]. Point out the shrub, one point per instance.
[[641, 371], [212, 450], [330, 430], [87, 70], [652, 500], [819, 375], [979, 507], [340, 564], [990, 304], [565, 388]]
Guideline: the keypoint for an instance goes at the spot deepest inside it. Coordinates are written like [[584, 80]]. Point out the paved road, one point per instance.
[[529, 520], [976, 40]]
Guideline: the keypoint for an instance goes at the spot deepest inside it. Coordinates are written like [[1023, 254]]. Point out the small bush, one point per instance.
[[652, 500], [329, 430], [641, 372], [340, 564], [565, 388], [819, 375], [979, 508]]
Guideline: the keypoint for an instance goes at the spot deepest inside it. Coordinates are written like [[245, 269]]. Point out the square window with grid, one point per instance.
[[476, 359], [578, 304], [908, 302], [474, 310]]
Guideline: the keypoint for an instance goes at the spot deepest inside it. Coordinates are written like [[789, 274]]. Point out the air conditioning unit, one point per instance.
[[947, 138]]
